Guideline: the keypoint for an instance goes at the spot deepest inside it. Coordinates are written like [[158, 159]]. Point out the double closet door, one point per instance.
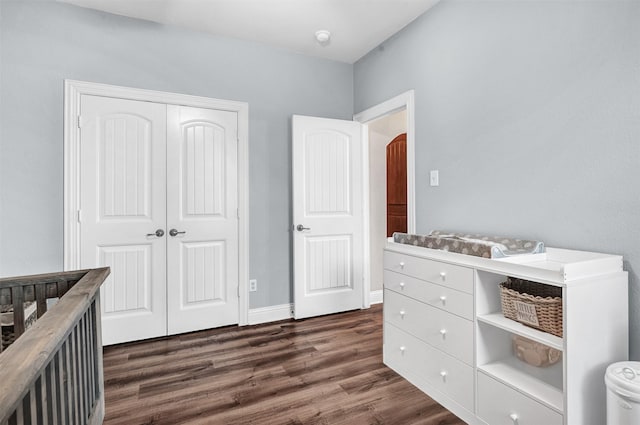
[[159, 198]]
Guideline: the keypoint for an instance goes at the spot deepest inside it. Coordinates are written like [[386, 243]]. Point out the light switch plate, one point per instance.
[[434, 178]]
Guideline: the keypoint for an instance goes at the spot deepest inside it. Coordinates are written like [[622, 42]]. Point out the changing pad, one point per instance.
[[472, 244]]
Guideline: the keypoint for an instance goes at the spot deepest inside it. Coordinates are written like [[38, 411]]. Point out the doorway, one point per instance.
[[384, 123], [388, 208]]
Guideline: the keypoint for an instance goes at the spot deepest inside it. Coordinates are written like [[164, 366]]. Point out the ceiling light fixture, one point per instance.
[[323, 37]]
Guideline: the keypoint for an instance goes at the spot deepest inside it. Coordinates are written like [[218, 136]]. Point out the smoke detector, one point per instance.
[[323, 37]]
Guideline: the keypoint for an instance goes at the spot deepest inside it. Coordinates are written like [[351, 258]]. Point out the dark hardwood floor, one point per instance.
[[325, 370]]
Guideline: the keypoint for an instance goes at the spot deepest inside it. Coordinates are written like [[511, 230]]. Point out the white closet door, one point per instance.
[[328, 247], [123, 204], [202, 218]]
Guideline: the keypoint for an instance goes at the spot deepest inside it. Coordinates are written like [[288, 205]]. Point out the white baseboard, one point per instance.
[[270, 314], [375, 297], [275, 313]]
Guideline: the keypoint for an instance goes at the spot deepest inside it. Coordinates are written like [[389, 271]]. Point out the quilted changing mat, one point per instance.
[[472, 244]]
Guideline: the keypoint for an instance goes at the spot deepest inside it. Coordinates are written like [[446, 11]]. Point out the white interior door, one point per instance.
[[327, 215], [202, 218], [123, 204]]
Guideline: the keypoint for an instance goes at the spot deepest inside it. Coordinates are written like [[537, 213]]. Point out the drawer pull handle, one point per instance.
[[443, 299], [514, 418], [401, 264], [443, 374], [402, 348], [443, 332], [402, 313], [443, 275], [401, 285]]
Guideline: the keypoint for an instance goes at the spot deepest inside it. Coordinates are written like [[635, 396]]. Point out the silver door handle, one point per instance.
[[174, 232], [159, 233], [300, 228]]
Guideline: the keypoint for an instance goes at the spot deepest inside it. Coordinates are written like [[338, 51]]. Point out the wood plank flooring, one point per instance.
[[325, 370]]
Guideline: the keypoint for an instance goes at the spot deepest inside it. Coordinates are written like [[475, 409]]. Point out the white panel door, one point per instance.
[[328, 216], [123, 201], [202, 218]]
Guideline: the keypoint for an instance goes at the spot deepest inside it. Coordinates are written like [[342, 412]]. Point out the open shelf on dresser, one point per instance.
[[518, 375], [499, 321], [496, 357]]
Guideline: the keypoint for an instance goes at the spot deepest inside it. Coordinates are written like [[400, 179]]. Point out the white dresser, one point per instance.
[[445, 333]]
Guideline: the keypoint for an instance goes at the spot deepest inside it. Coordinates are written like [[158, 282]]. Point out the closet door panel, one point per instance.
[[122, 205], [202, 250]]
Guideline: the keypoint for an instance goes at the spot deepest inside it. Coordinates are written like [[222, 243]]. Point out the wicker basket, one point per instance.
[[533, 304]]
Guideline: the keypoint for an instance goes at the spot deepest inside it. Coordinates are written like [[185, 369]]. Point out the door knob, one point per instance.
[[174, 232], [300, 228], [159, 233]]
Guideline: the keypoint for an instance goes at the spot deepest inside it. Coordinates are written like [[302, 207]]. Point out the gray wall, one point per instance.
[[43, 43], [531, 112]]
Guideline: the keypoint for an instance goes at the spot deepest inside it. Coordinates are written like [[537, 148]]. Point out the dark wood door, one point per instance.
[[397, 185]]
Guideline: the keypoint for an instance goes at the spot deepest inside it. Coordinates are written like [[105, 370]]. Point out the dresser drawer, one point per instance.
[[405, 353], [499, 404], [420, 362], [445, 331], [456, 277], [443, 297]]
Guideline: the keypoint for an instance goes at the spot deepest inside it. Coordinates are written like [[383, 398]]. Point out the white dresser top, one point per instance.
[[556, 266]]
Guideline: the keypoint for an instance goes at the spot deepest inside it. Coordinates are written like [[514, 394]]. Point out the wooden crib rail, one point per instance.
[[39, 288], [52, 374]]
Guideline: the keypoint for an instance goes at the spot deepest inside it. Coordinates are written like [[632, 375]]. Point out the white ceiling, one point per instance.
[[356, 26]]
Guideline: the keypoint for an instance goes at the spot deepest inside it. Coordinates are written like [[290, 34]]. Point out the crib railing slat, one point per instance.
[[13, 420], [98, 411], [51, 397], [26, 409], [65, 382], [41, 299], [56, 388], [85, 368], [73, 380], [36, 406], [81, 380], [91, 356], [43, 396], [17, 294]]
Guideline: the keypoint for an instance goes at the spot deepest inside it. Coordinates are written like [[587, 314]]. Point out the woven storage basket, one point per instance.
[[533, 304]]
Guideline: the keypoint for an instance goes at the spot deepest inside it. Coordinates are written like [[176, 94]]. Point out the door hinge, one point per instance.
[[238, 213], [79, 216], [238, 288], [79, 121]]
